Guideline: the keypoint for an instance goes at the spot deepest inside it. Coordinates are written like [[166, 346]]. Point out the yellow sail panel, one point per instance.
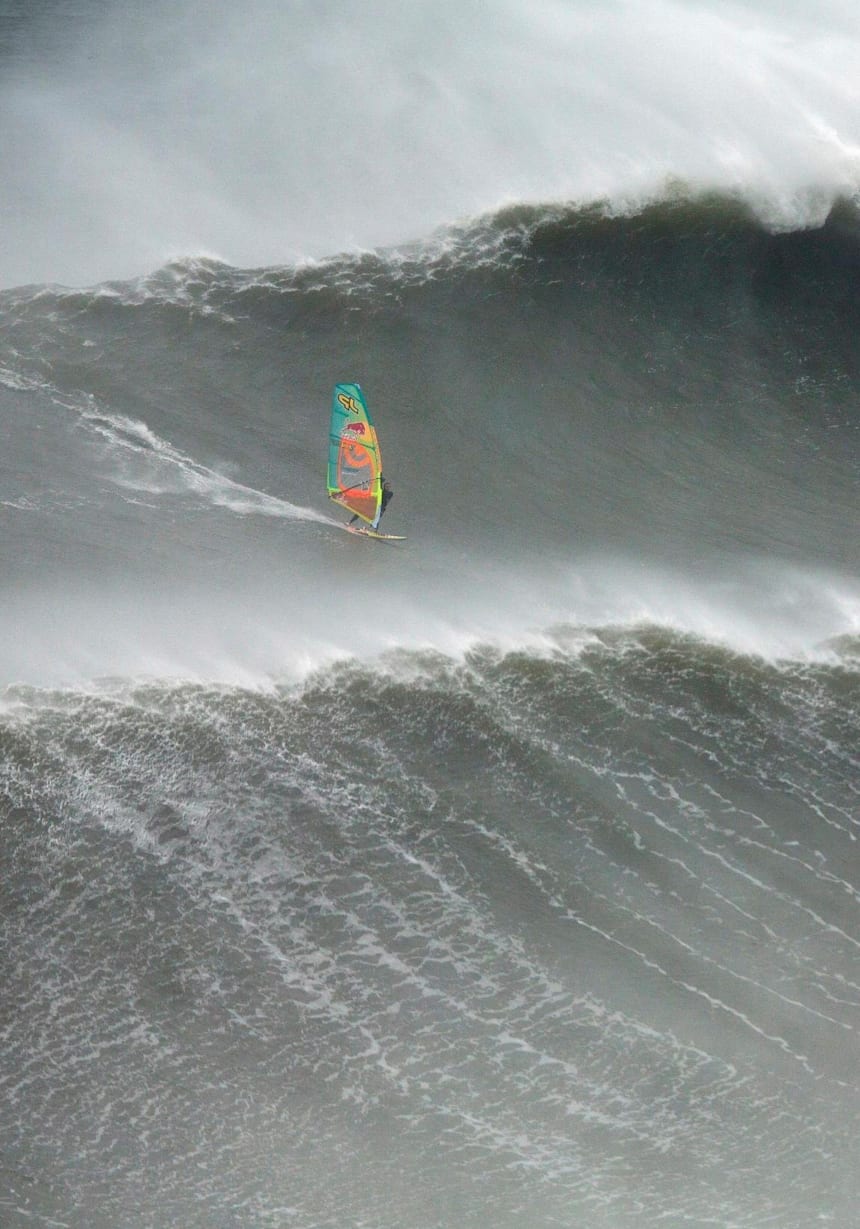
[[354, 461]]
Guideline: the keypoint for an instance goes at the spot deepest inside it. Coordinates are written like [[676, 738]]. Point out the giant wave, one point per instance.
[[504, 876]]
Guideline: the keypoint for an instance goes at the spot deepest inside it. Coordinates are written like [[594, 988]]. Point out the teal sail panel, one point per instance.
[[354, 460]]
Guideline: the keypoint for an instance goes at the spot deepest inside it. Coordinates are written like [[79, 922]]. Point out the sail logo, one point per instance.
[[349, 403]]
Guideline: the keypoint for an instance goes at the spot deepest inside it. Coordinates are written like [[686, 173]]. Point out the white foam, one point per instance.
[[280, 631], [18, 382]]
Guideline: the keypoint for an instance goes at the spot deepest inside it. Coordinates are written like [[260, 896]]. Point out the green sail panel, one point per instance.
[[354, 461]]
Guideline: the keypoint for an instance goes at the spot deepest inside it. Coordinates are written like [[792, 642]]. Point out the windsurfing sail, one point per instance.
[[354, 460]]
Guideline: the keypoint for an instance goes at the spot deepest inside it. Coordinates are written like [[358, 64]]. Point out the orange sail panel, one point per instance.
[[354, 461]]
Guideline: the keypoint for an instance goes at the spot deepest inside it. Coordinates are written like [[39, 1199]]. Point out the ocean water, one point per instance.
[[506, 876]]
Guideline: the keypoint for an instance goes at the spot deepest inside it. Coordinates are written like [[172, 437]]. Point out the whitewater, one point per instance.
[[506, 875]]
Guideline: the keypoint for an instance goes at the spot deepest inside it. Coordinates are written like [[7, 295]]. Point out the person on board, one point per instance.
[[387, 496]]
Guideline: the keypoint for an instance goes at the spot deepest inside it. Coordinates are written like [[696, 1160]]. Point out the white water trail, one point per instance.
[[158, 468]]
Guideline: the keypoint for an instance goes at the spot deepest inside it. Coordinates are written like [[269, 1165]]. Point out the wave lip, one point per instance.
[[581, 104]]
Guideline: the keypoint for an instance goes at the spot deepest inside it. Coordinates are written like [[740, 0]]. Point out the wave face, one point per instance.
[[504, 876]]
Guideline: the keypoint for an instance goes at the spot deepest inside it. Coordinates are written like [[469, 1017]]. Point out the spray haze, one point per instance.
[[273, 132]]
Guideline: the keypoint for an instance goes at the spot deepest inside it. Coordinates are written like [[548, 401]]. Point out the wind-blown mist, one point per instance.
[[265, 132]]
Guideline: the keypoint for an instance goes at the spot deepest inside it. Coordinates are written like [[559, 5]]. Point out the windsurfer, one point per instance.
[[387, 496]]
